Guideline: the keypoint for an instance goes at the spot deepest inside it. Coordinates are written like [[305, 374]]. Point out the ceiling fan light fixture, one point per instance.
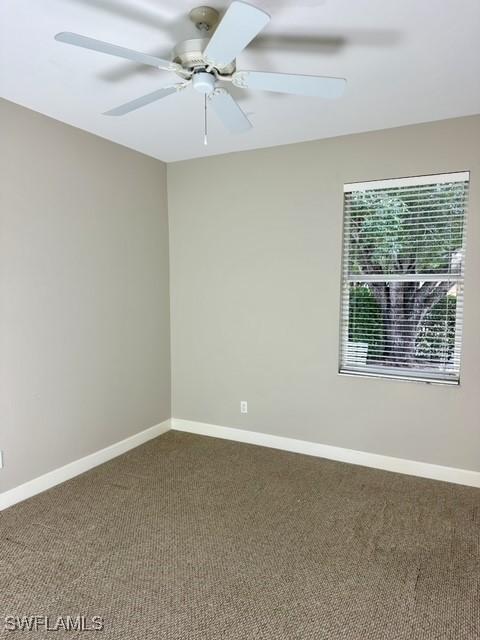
[[204, 82]]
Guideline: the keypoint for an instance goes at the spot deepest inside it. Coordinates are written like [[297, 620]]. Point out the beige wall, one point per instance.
[[255, 242], [255, 245], [84, 311]]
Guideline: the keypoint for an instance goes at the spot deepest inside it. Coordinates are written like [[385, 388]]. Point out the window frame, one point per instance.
[[393, 373]]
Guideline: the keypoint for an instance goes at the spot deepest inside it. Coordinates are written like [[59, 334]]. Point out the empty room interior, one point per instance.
[[239, 319]]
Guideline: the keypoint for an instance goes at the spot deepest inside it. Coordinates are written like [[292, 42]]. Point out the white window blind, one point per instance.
[[402, 289]]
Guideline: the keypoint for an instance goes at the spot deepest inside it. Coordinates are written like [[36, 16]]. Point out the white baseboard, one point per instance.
[[363, 458], [52, 478]]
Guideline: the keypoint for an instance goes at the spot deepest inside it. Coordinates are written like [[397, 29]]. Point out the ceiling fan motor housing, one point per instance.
[[189, 54]]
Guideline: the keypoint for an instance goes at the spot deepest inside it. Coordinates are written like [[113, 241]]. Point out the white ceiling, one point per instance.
[[406, 61]]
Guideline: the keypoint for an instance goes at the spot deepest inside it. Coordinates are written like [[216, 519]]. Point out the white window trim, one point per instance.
[[438, 178], [396, 373]]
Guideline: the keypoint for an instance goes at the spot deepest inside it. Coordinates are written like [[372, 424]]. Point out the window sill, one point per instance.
[[391, 376]]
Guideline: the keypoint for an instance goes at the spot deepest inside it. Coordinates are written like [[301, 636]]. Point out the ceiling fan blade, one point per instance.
[[240, 24], [315, 86], [143, 101], [229, 112], [114, 50]]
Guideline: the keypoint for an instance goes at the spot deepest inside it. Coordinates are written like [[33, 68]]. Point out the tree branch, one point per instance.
[[432, 295], [437, 294], [380, 293]]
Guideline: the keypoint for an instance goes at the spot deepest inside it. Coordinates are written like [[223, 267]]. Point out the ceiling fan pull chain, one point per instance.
[[205, 139]]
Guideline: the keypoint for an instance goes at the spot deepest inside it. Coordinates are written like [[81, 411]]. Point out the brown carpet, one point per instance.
[[194, 538]]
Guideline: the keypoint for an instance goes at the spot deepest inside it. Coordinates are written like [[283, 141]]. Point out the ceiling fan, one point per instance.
[[207, 62]]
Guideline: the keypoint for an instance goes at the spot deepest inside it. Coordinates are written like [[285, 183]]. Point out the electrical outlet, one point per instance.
[[1, 459], [243, 406]]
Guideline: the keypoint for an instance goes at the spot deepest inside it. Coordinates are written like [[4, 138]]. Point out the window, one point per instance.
[[402, 289]]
